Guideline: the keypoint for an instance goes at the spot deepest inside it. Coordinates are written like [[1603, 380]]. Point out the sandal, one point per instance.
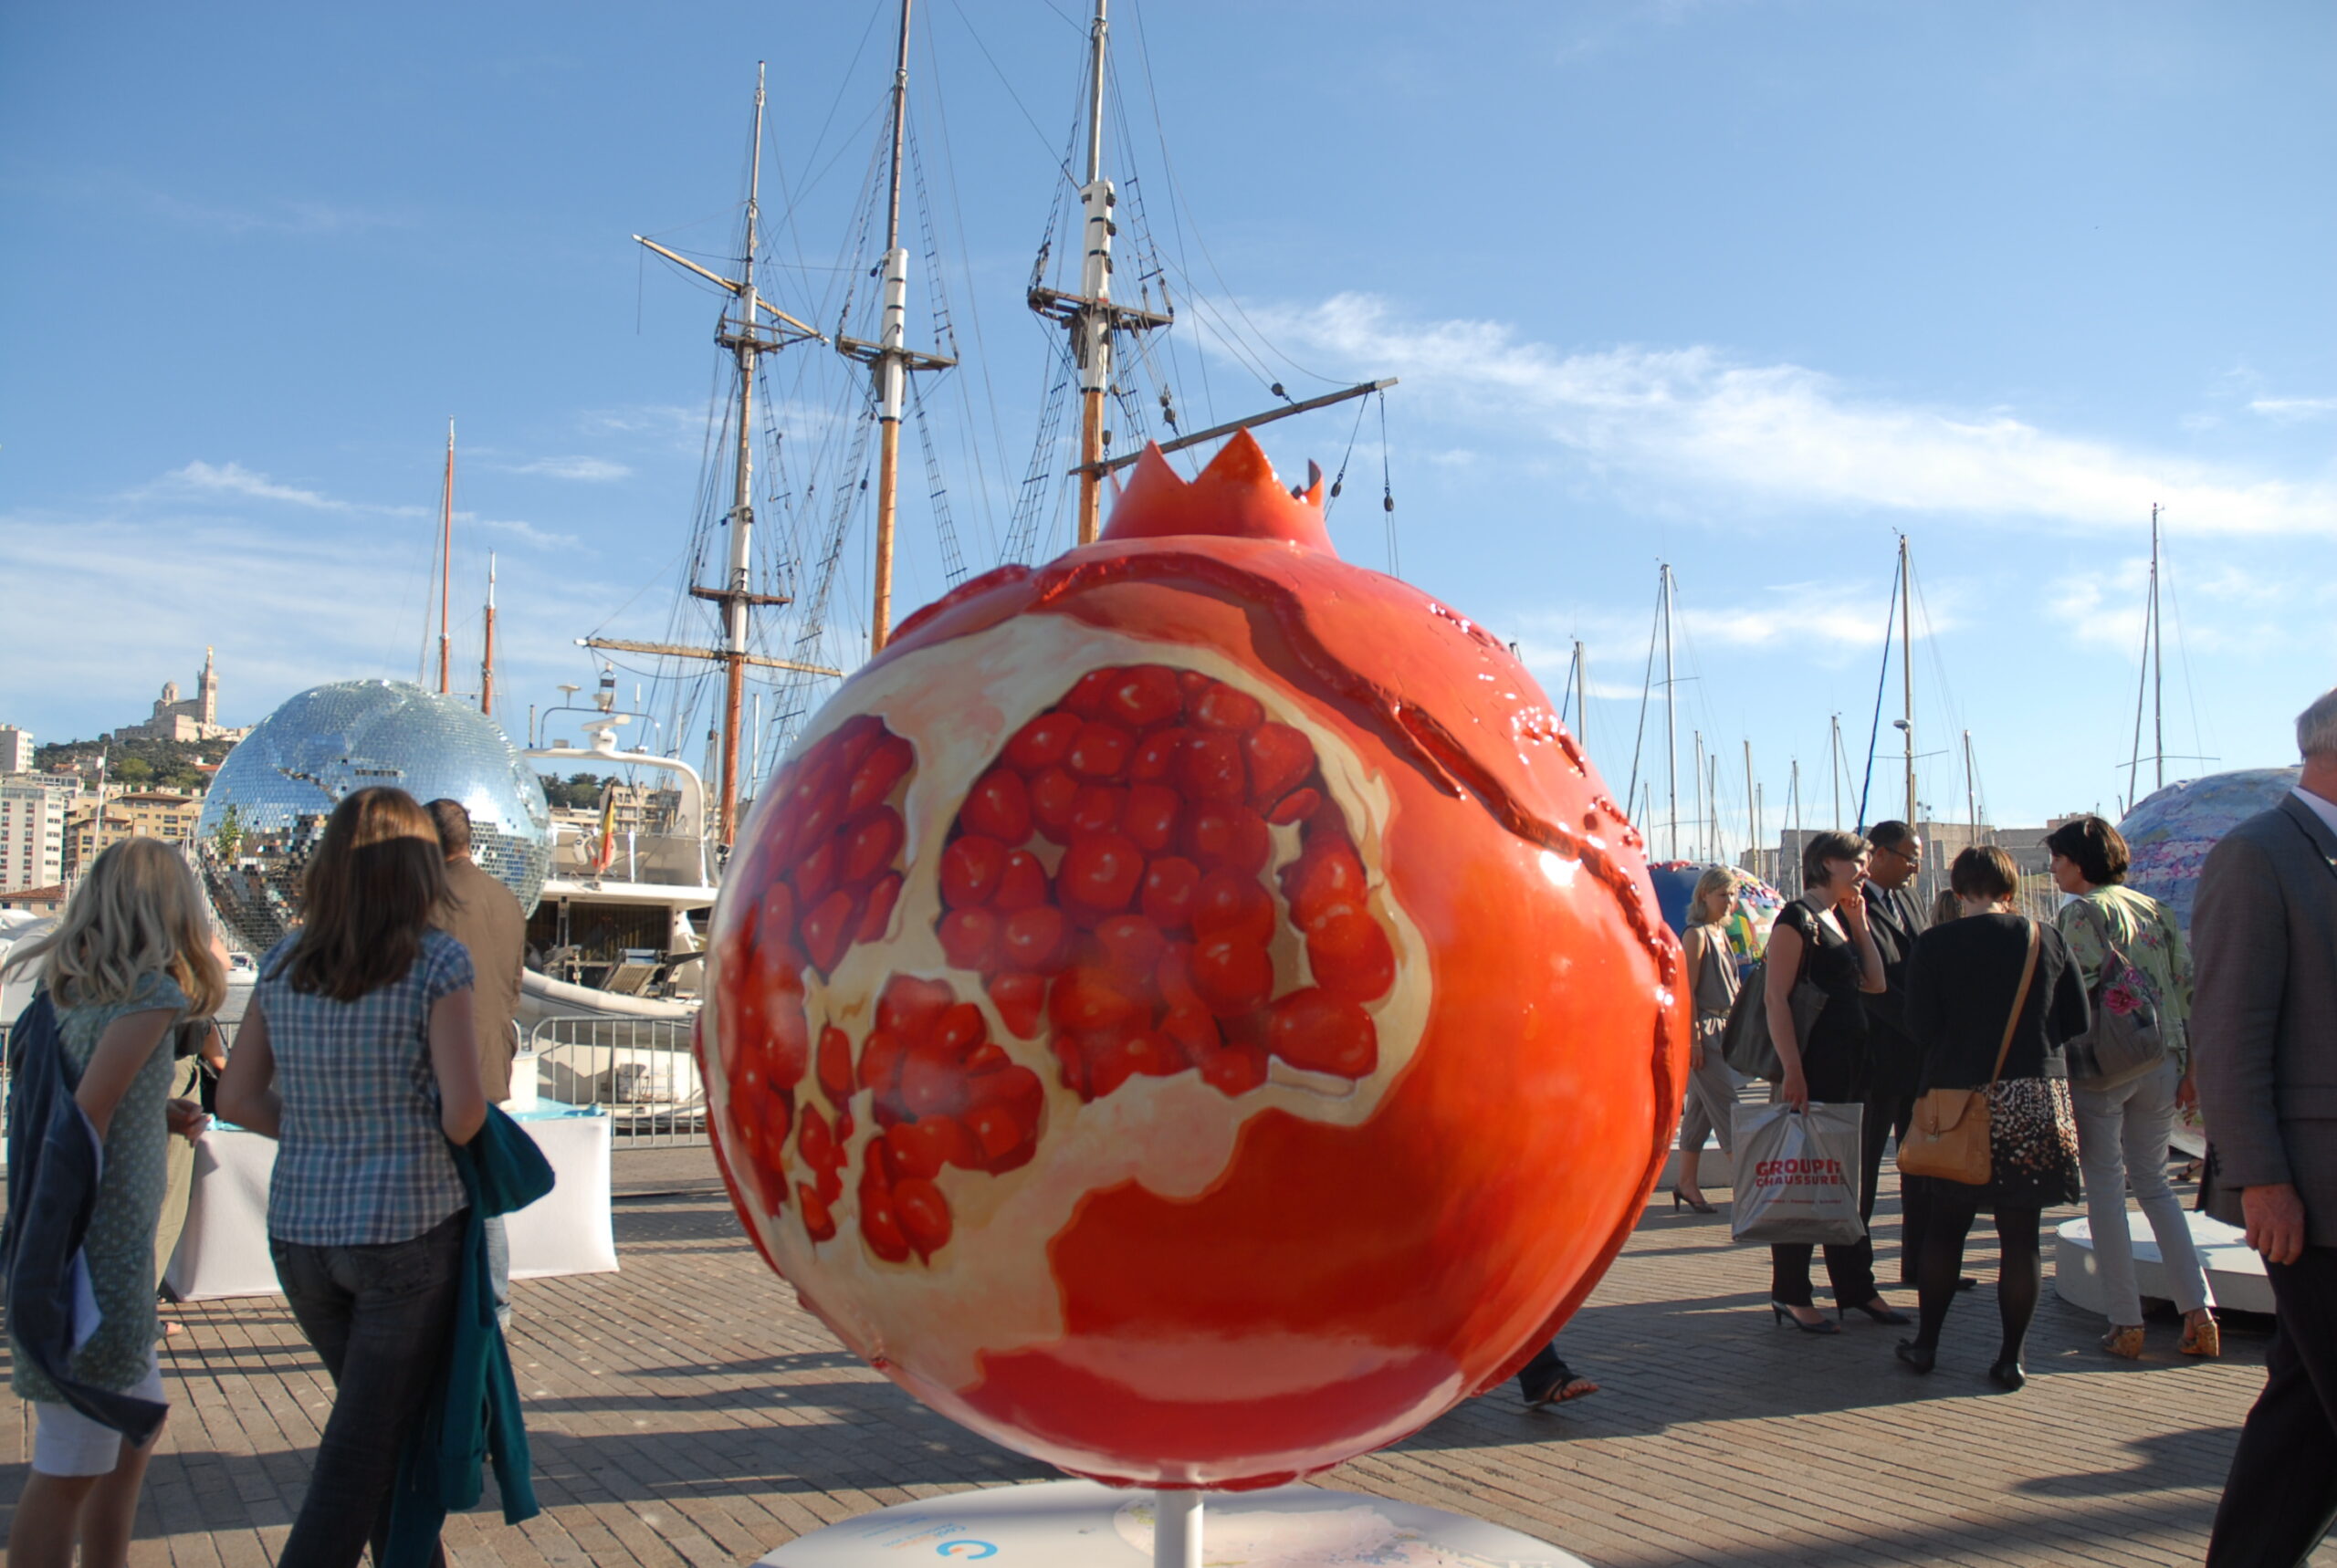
[[1558, 1394], [2202, 1337], [2124, 1342]]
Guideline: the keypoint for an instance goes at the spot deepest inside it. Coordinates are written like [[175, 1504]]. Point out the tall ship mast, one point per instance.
[[751, 328], [889, 358]]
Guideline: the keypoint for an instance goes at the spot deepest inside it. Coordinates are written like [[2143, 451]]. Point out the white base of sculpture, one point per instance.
[[2236, 1277], [1079, 1524]]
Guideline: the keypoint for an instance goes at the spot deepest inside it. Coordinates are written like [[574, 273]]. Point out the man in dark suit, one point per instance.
[[487, 920], [1892, 868], [2264, 1054]]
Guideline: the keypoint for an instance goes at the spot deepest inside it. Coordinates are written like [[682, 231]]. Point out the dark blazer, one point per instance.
[[1898, 1061], [53, 1159], [1960, 985], [487, 920], [2264, 1009]]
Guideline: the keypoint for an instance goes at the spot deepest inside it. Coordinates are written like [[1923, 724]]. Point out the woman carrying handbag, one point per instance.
[[1827, 1062], [1991, 996]]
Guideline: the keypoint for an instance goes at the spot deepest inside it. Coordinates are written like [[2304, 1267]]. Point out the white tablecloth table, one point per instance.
[[224, 1250]]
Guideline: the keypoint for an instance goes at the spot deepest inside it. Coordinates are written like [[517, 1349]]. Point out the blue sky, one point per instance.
[[1748, 286]]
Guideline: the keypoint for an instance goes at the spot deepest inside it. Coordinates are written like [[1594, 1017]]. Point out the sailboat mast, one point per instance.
[[1581, 696], [1834, 744], [2158, 661], [486, 660], [1703, 831], [737, 595], [1971, 793], [1907, 669], [892, 374], [445, 561], [1670, 720], [1092, 328], [1752, 800]]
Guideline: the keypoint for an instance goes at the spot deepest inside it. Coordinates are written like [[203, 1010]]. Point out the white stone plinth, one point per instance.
[[2234, 1274], [1079, 1524]]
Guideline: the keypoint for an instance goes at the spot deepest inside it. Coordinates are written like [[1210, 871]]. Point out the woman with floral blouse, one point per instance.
[[2122, 1129]]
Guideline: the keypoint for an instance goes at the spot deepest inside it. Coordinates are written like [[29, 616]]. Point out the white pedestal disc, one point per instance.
[[1079, 1524]]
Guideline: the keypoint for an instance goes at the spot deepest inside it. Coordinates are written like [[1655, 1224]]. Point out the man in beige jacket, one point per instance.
[[485, 919]]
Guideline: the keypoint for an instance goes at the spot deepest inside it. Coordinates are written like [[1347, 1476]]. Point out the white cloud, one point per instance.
[[234, 479], [527, 533], [1785, 436], [2293, 409], [587, 470]]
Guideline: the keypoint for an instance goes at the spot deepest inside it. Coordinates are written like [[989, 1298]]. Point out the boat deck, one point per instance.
[[683, 1411]]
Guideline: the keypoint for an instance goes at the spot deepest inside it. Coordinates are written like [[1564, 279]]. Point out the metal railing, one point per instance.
[[641, 1071]]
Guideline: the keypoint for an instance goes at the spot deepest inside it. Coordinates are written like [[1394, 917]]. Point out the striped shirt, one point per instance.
[[361, 1159]]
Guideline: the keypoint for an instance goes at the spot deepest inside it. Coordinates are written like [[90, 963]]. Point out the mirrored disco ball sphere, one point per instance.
[[267, 808]]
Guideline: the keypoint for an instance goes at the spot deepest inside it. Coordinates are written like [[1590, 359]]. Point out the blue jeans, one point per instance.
[[380, 1317]]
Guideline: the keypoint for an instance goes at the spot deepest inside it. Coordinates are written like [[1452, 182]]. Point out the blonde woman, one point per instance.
[[1711, 979], [131, 957]]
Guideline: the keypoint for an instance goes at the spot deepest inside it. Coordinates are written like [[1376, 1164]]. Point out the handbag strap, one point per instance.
[[2020, 998]]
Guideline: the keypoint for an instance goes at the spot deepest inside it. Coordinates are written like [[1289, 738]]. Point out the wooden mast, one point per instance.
[[1671, 722], [1089, 315], [890, 358], [748, 339], [446, 559]]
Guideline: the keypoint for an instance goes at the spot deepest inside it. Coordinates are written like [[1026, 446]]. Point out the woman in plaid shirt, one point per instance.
[[357, 1056]]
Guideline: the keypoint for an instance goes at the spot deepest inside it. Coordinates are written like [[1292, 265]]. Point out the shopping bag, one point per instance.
[[1797, 1175]]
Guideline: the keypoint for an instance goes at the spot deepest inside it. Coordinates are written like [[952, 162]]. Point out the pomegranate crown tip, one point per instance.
[[1236, 496]]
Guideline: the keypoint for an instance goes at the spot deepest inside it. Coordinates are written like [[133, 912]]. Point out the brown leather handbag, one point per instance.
[[1948, 1135]]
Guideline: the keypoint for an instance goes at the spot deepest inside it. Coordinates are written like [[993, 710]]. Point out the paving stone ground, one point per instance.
[[683, 1411]]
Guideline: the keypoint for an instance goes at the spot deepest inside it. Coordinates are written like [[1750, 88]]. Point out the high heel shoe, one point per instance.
[[1885, 1313], [2124, 1341], [1698, 1204], [2202, 1338], [1922, 1358], [2009, 1376], [1785, 1315]]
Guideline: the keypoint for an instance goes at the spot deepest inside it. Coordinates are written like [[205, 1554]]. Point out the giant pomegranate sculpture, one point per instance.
[[1189, 1012]]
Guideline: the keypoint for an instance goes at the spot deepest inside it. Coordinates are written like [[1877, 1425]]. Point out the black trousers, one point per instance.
[[379, 1317], [2281, 1495], [1849, 1265], [1888, 1116], [1547, 1371]]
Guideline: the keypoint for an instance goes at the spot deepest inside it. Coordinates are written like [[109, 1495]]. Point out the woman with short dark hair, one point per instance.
[[1961, 985], [2123, 1128], [1823, 937], [356, 1053]]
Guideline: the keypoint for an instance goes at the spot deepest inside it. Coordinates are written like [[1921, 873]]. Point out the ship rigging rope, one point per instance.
[[1881, 679], [1647, 685], [1013, 95]]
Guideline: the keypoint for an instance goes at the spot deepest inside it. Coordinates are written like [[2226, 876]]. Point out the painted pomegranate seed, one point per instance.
[[828, 930], [1279, 757], [1210, 766], [1144, 696], [1294, 807], [1021, 1000], [1156, 757], [1351, 956], [999, 807], [1053, 791], [1042, 742], [1096, 809], [970, 869], [818, 1222], [924, 1215], [1100, 872], [1232, 974], [1324, 1033], [836, 1064], [1222, 707], [1033, 939], [1100, 750], [875, 919], [1020, 885], [1150, 816], [886, 764], [970, 939], [1169, 886]]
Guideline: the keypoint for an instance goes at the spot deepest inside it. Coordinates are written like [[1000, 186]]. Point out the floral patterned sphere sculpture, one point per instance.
[[1188, 1012]]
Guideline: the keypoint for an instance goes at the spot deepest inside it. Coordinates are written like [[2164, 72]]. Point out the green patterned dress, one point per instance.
[[120, 1243]]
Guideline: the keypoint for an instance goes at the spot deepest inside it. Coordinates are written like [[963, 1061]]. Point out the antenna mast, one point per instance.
[[1581, 697], [1835, 746], [445, 558], [486, 661]]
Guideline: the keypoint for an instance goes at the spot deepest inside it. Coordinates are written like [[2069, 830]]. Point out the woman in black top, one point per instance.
[[1822, 937], [1961, 982]]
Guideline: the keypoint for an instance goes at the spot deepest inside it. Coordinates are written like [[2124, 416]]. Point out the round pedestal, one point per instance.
[[1079, 1524]]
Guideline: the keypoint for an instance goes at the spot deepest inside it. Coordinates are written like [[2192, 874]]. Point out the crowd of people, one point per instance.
[[2087, 1038], [380, 1032], [366, 1051]]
